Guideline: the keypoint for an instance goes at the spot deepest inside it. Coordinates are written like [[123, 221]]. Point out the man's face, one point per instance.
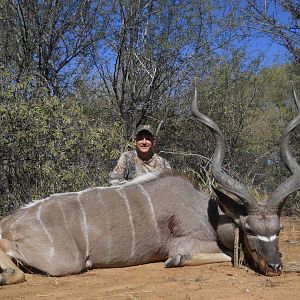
[[144, 142]]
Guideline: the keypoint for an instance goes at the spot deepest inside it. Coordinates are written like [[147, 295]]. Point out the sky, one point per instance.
[[274, 53]]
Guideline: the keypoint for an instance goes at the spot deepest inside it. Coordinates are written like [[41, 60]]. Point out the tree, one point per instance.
[[50, 39], [277, 19], [152, 50], [227, 95]]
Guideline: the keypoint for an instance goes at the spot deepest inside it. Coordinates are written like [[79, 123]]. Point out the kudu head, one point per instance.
[[259, 222]]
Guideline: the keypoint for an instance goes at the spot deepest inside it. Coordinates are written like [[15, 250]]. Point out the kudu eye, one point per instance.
[[250, 232], [277, 233]]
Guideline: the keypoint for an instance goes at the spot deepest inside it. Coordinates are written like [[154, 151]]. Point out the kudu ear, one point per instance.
[[229, 206]]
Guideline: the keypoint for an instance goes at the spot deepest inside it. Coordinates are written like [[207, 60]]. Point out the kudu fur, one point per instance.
[[156, 217]]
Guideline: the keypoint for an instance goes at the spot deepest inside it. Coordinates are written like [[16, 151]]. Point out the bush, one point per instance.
[[48, 146]]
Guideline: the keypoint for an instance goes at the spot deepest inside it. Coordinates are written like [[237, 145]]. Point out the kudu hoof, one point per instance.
[[5, 272], [9, 275], [173, 261]]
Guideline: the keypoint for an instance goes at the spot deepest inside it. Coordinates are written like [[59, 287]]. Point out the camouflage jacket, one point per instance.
[[130, 166]]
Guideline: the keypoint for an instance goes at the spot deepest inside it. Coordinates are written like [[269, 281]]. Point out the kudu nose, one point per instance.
[[274, 267]]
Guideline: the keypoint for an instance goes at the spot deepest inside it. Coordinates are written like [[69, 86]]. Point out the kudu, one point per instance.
[[156, 217]]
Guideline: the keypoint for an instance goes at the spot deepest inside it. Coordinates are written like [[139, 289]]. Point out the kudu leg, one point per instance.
[[10, 272], [180, 260]]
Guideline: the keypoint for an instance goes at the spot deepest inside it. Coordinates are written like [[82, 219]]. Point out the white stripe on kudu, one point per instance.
[[122, 194], [38, 215], [144, 192], [267, 239], [84, 226], [66, 226], [107, 226]]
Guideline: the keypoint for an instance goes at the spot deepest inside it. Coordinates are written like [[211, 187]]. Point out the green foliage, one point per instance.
[[48, 146]]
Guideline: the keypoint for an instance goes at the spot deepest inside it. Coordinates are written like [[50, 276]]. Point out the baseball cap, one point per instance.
[[145, 128]]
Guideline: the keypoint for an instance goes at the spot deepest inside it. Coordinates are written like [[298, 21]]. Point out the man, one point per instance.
[[142, 160]]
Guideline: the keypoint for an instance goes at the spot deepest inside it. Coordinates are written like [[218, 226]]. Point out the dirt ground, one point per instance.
[[153, 281]]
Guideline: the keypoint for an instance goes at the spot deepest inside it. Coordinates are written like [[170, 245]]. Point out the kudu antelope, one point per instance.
[[156, 217]]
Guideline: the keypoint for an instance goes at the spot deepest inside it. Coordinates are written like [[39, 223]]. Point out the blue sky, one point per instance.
[[273, 52]]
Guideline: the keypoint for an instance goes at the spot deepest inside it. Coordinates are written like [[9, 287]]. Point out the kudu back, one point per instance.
[[156, 217]]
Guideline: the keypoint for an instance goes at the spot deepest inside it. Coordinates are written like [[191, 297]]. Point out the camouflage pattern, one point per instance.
[[130, 166], [145, 128]]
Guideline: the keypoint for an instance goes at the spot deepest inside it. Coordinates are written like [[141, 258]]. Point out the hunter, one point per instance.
[[142, 160]]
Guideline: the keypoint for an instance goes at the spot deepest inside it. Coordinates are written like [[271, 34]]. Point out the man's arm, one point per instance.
[[119, 173], [164, 164]]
